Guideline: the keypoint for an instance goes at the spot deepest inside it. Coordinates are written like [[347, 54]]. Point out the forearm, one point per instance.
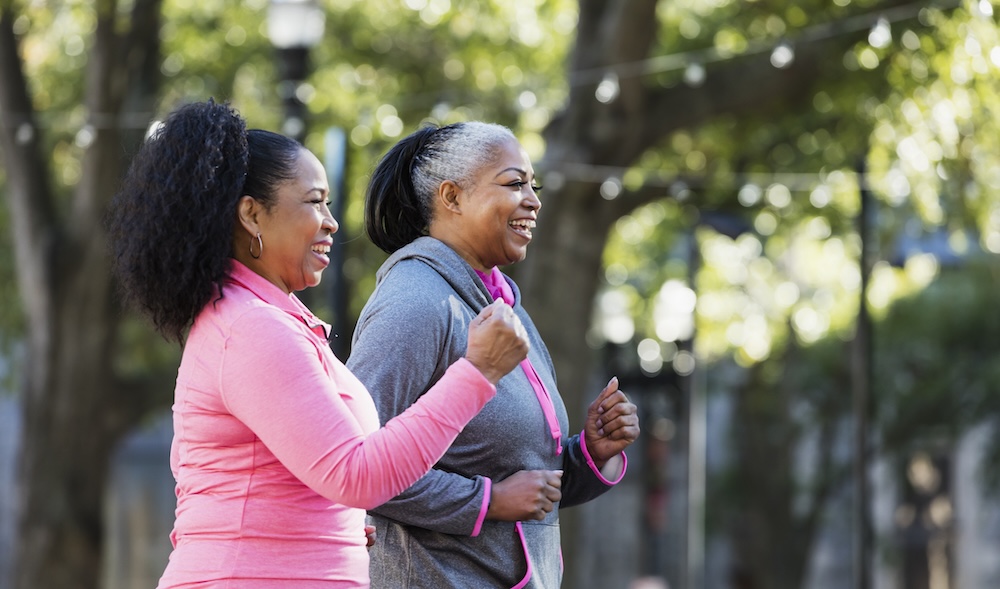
[[442, 502]]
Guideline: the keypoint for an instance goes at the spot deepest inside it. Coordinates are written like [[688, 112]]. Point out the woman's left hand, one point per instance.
[[612, 424]]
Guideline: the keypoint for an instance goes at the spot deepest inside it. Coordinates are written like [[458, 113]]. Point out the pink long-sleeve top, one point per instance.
[[277, 450]]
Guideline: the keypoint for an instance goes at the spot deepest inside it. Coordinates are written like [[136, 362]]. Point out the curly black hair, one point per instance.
[[171, 224]]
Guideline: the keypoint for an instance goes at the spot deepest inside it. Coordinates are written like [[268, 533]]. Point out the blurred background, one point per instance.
[[776, 221]]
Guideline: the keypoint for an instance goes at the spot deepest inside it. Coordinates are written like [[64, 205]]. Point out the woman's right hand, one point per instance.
[[497, 341], [525, 495]]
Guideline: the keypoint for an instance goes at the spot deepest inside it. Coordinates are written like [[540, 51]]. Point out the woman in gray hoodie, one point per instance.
[[450, 205]]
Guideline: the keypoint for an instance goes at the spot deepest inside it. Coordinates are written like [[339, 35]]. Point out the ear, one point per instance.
[[449, 197], [247, 212]]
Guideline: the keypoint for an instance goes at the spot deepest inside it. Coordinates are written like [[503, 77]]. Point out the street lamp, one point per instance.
[[294, 28]]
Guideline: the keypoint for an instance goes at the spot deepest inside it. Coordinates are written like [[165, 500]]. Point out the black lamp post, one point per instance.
[[294, 27]]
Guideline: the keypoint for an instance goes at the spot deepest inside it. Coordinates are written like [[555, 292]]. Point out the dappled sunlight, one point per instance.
[[673, 311], [889, 283], [615, 322]]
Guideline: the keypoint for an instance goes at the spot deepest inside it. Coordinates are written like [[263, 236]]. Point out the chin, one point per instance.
[[519, 257]]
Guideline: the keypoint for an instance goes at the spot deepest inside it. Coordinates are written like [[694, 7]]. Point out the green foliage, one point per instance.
[[936, 361]]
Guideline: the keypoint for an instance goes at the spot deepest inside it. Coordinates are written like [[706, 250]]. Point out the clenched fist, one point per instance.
[[497, 341]]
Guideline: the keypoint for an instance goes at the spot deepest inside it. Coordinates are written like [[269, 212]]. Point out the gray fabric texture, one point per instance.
[[413, 327]]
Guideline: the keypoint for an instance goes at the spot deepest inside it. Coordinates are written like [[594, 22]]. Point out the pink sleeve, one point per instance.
[[274, 381]]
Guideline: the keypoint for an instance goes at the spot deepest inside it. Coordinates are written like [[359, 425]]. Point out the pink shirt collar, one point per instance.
[[268, 292]]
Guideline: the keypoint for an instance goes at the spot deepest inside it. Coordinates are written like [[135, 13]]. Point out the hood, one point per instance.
[[452, 267]]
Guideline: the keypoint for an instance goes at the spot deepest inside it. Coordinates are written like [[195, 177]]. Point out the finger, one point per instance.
[[626, 434], [489, 310], [618, 422], [616, 403], [606, 392], [614, 406], [623, 431]]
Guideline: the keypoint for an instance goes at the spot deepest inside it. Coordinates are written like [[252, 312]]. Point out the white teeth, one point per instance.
[[321, 249], [526, 223]]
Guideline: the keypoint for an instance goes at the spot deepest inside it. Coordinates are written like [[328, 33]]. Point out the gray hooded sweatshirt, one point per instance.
[[433, 535]]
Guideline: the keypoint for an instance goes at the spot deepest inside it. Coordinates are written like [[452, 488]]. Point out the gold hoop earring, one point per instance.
[[260, 247]]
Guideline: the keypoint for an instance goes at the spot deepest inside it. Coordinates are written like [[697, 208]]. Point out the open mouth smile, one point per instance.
[[522, 226]]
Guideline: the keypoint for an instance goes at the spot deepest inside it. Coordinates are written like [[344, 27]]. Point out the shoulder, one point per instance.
[[410, 284], [240, 314]]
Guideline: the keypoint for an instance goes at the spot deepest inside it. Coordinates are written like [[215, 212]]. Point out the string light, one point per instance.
[[694, 75], [881, 34], [611, 188], [692, 62], [25, 133], [853, 24], [783, 55], [682, 186], [608, 89]]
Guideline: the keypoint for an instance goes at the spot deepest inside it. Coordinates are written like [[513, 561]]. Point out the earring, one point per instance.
[[260, 247]]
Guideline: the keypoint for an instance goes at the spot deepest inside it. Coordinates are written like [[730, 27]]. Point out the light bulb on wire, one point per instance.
[[608, 89], [881, 34], [783, 55], [694, 74]]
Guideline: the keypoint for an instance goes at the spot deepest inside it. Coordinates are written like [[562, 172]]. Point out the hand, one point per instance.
[[370, 535], [612, 424], [524, 495], [497, 341]]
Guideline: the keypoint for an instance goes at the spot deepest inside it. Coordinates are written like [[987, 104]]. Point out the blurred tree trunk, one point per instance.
[[74, 409], [775, 518], [561, 275]]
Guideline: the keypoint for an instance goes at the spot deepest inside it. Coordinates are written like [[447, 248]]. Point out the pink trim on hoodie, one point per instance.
[[488, 489], [527, 557], [593, 467], [499, 289]]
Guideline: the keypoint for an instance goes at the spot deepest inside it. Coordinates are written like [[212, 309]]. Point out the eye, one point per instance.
[[519, 184]]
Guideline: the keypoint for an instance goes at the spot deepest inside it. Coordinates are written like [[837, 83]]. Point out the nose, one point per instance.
[[329, 223], [533, 202]]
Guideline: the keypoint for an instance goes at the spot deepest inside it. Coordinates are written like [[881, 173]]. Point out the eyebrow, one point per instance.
[[512, 168]]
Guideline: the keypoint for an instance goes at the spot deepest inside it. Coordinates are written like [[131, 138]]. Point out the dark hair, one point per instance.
[[172, 222], [401, 189]]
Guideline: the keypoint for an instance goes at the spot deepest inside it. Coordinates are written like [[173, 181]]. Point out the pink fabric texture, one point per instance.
[[277, 449]]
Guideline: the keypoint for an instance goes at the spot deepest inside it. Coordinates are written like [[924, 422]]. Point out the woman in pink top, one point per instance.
[[277, 449]]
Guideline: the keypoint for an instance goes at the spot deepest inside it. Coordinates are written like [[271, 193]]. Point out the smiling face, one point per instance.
[[489, 222], [295, 231]]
